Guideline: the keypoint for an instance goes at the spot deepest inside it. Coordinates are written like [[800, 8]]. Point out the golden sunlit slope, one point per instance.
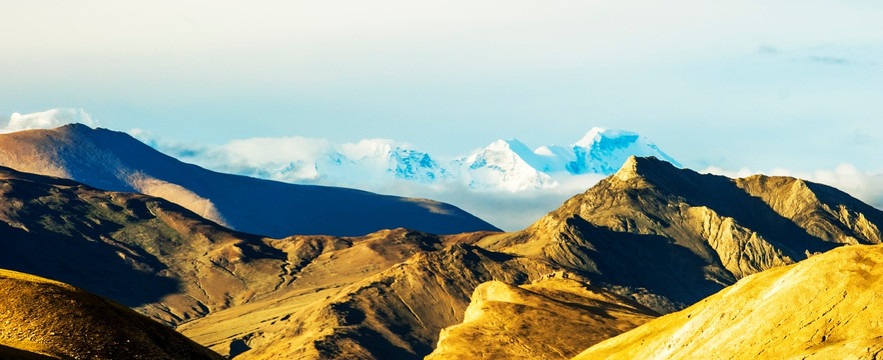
[[825, 307], [396, 313], [41, 318], [116, 161], [669, 237], [548, 319]]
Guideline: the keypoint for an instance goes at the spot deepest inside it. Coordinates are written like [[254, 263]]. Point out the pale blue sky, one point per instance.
[[758, 84]]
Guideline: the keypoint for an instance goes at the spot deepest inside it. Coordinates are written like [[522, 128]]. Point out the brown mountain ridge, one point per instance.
[[651, 236], [669, 237]]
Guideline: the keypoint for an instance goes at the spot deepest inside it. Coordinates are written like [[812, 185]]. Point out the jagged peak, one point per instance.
[[643, 167]]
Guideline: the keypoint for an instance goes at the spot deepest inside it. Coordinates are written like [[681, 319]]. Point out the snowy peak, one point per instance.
[[415, 165], [596, 134], [603, 151], [503, 165], [511, 166]]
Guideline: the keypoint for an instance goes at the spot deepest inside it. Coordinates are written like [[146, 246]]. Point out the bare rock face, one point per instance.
[[825, 307], [548, 319], [669, 237], [45, 319]]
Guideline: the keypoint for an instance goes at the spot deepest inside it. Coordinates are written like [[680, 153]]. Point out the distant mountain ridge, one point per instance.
[[503, 165], [506, 183], [116, 161]]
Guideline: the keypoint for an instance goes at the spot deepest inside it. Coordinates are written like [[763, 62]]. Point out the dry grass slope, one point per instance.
[[397, 313], [826, 307], [41, 319]]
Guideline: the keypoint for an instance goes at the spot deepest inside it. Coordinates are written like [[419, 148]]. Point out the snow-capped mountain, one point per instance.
[[510, 165], [604, 151], [314, 161], [504, 165], [527, 181]]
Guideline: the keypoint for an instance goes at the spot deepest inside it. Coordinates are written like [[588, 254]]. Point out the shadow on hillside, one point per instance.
[[654, 263], [7, 352], [126, 275], [727, 199]]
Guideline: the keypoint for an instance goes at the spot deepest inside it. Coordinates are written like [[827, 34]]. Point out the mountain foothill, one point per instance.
[[655, 261]]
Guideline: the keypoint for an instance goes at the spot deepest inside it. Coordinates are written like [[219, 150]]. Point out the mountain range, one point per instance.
[[650, 239], [505, 183], [116, 161], [503, 165]]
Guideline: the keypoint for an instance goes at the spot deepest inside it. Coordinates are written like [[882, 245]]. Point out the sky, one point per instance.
[[789, 85]]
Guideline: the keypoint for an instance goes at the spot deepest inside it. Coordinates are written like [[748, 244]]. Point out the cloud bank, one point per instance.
[[866, 186], [46, 120]]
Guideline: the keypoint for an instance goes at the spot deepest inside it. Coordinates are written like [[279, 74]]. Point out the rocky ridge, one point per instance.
[[670, 237]]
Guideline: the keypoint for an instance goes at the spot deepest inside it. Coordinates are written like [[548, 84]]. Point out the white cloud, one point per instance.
[[46, 120]]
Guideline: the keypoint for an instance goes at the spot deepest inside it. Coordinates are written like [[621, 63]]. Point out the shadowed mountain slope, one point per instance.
[[115, 161], [669, 237], [45, 319], [547, 319], [826, 307], [144, 252]]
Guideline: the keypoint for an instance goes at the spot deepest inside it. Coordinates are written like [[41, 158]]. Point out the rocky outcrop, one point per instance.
[[548, 319]]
